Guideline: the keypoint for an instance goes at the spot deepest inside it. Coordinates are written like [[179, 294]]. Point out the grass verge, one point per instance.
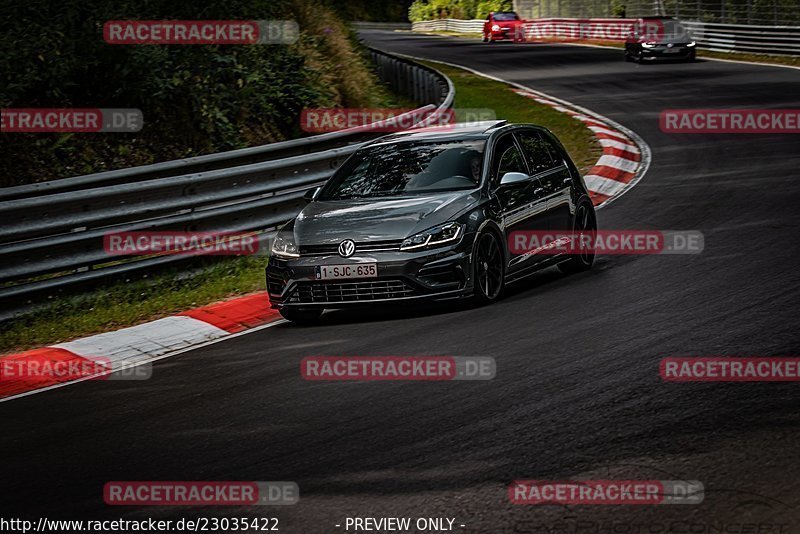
[[134, 301], [473, 91]]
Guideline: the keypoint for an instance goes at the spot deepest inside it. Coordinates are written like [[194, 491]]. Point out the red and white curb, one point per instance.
[[618, 167], [133, 346]]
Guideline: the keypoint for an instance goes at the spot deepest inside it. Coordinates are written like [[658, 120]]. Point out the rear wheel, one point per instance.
[[301, 316], [585, 229], [488, 268]]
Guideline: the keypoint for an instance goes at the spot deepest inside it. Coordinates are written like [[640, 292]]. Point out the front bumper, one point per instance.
[[403, 277], [506, 34], [667, 53]]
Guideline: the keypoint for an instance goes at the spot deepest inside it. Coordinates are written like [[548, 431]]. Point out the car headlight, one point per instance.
[[692, 44], [496, 28], [284, 246], [648, 45], [434, 237]]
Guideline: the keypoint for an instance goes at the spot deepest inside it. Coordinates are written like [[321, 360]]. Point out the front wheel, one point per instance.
[[301, 316], [488, 268], [585, 231]]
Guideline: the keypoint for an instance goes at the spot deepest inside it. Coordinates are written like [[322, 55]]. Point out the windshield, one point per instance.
[[674, 29], [407, 168], [658, 29], [506, 16]]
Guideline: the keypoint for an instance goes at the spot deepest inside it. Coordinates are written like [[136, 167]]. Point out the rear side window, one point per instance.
[[541, 156], [507, 158]]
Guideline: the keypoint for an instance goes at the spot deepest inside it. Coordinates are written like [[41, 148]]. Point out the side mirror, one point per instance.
[[311, 194], [512, 178]]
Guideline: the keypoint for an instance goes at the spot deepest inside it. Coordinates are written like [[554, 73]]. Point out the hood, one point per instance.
[[676, 40], [377, 219]]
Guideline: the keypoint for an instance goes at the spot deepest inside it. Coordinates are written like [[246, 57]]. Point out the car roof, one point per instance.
[[474, 130]]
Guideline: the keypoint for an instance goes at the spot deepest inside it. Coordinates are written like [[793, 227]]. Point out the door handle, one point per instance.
[[538, 190]]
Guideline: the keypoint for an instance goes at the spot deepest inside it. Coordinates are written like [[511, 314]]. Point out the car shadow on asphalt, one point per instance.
[[541, 281]]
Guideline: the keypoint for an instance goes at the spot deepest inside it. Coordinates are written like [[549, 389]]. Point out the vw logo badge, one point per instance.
[[347, 248]]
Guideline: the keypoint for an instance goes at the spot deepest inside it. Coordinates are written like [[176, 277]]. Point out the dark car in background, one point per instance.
[[503, 26], [427, 214], [654, 38]]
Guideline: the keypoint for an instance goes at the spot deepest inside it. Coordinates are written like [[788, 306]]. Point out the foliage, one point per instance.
[[372, 11], [455, 9], [195, 99]]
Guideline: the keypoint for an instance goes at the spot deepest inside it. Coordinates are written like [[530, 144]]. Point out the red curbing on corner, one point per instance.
[[46, 367], [237, 315]]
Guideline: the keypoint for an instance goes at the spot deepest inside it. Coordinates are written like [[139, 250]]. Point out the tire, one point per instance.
[[628, 57], [485, 39], [585, 222], [488, 268], [301, 316]]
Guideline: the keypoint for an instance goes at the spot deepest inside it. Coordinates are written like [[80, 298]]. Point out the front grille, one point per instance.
[[322, 292], [368, 246]]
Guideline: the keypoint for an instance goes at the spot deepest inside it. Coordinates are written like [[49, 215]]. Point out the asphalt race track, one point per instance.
[[577, 392]]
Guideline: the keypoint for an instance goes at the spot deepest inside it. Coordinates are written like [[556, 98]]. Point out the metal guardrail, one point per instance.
[[774, 40], [784, 40], [359, 25], [449, 25], [51, 235]]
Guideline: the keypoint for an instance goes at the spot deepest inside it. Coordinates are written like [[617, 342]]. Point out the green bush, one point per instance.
[[455, 9], [195, 99]]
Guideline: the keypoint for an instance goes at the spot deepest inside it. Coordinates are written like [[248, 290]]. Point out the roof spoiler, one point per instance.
[[491, 125]]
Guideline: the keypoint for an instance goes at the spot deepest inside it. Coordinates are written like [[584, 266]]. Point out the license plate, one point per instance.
[[340, 272], [672, 50]]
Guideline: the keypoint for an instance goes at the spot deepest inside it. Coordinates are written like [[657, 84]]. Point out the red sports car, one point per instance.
[[503, 26]]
